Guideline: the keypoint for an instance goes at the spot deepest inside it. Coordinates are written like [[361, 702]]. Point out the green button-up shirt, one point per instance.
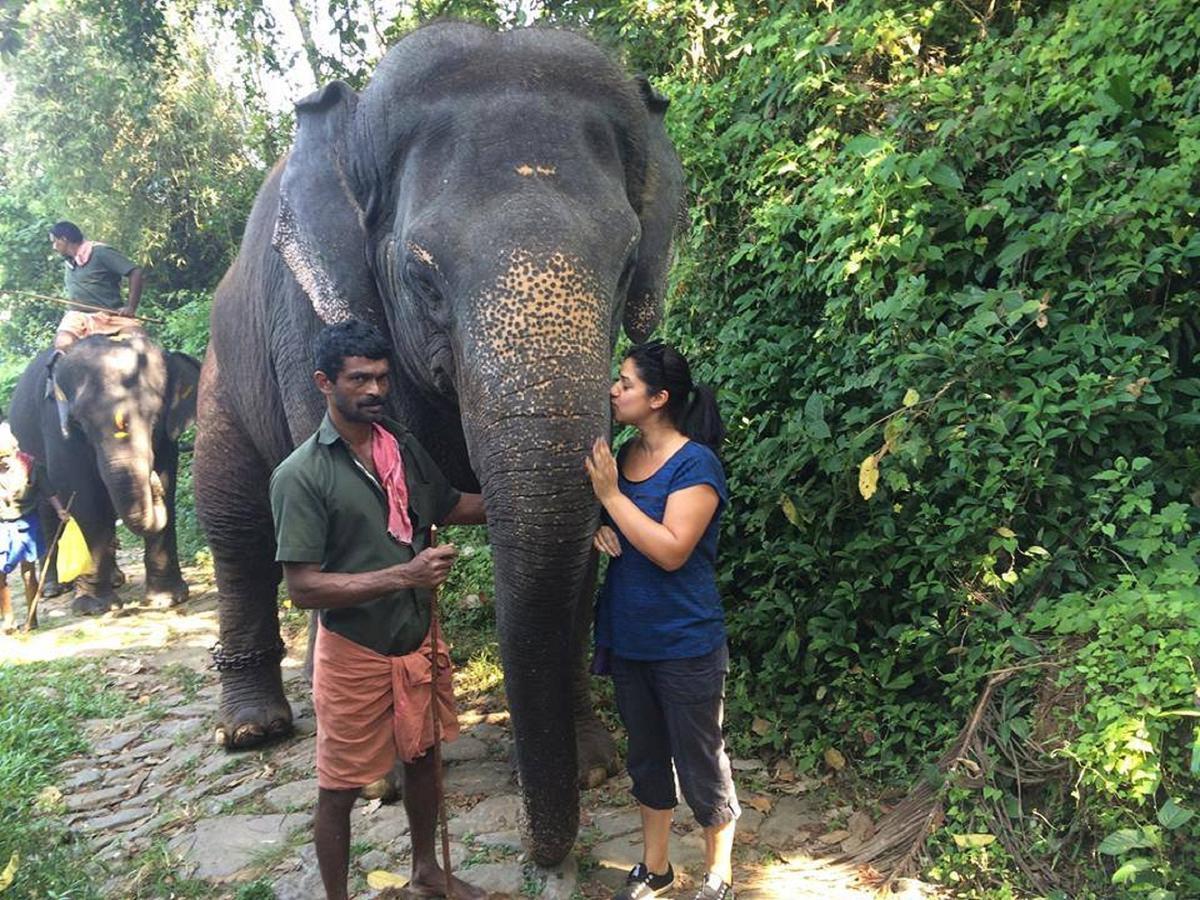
[[330, 510], [99, 282]]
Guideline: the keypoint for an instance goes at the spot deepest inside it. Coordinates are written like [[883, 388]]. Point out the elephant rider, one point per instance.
[[21, 537], [93, 273], [352, 507]]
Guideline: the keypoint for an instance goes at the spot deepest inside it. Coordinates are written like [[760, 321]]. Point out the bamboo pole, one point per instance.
[[37, 595], [434, 638]]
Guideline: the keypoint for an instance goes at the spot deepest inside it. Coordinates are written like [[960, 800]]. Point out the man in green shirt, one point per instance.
[[353, 506], [93, 273]]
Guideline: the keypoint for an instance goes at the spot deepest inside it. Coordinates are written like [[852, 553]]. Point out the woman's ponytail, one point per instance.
[[702, 421]]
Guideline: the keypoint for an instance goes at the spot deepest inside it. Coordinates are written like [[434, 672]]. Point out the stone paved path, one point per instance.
[[158, 800]]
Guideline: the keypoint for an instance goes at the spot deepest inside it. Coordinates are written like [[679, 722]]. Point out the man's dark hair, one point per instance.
[[353, 337], [68, 231]]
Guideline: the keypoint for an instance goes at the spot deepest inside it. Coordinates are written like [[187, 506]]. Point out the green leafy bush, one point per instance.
[[944, 272]]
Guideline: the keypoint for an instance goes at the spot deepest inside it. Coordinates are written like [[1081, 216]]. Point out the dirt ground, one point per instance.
[[162, 806]]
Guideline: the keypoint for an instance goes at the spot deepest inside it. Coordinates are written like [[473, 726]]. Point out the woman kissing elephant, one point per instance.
[[498, 204], [108, 434]]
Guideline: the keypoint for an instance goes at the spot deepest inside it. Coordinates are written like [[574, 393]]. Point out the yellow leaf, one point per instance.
[[974, 840], [835, 760], [1006, 532], [911, 397], [868, 477], [789, 510], [380, 879], [10, 872], [1009, 577]]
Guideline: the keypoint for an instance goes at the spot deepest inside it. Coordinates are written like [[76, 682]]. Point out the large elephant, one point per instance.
[[108, 434], [499, 204]]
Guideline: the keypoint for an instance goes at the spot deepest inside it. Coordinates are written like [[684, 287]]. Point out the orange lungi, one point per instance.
[[372, 709]]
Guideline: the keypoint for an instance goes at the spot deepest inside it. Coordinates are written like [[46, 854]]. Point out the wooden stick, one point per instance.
[[434, 638], [75, 304], [37, 595]]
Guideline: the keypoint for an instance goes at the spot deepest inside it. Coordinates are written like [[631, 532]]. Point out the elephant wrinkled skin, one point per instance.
[[498, 204], [109, 436]]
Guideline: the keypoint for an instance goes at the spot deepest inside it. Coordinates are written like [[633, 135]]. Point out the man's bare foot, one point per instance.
[[432, 883]]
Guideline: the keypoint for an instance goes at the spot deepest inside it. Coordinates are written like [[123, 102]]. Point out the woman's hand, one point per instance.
[[606, 541], [602, 469]]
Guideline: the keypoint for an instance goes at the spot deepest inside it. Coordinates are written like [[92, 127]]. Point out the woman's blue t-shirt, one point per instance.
[[645, 612]]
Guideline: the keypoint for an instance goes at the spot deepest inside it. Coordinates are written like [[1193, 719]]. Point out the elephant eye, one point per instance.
[[120, 425]]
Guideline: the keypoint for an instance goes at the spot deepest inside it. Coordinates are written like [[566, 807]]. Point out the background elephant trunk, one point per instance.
[[137, 494]]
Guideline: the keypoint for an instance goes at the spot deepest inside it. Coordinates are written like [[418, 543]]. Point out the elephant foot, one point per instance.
[[167, 595], [56, 589], [387, 789], [253, 708], [597, 753], [89, 605]]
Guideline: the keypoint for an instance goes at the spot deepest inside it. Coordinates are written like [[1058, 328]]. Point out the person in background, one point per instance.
[[92, 276], [353, 506], [21, 536], [659, 620]]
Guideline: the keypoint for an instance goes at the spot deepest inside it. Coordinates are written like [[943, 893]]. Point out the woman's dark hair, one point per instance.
[[353, 337], [69, 231], [691, 407]]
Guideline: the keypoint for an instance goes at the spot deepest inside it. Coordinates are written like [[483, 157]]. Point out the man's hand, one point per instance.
[[431, 566], [606, 541], [126, 311]]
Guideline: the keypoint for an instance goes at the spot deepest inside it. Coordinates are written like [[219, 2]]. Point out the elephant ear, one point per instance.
[[183, 379], [659, 213], [319, 230]]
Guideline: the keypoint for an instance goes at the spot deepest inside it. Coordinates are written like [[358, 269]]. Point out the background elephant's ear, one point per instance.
[[183, 379], [662, 193], [319, 230]]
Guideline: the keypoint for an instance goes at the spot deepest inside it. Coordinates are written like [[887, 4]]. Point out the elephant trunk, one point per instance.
[[532, 410], [137, 494], [541, 516]]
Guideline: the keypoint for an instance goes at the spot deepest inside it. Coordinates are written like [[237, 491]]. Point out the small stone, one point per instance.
[[498, 878], [788, 819], [374, 859], [294, 795], [499, 813], [834, 837], [749, 821], [161, 745], [95, 799], [173, 728], [82, 779], [505, 840], [479, 778], [117, 819], [615, 822], [560, 881], [382, 828], [116, 743], [466, 747], [747, 765]]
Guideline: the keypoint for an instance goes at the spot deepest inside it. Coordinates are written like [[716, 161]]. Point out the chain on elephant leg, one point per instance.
[[254, 709]]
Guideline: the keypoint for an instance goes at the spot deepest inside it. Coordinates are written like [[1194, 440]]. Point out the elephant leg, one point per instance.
[[231, 500], [94, 593], [165, 586], [596, 747]]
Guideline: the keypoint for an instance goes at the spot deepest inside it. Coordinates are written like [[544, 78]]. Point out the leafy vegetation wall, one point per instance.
[[944, 271]]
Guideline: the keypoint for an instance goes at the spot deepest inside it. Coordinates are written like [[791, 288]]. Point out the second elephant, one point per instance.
[[107, 432]]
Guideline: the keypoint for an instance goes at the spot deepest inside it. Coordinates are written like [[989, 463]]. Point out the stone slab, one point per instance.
[[498, 813], [221, 847]]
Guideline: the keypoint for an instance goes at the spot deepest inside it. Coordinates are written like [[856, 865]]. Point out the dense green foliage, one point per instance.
[[41, 708], [960, 262]]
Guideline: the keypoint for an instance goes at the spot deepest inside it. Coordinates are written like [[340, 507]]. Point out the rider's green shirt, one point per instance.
[[330, 510], [99, 282]]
